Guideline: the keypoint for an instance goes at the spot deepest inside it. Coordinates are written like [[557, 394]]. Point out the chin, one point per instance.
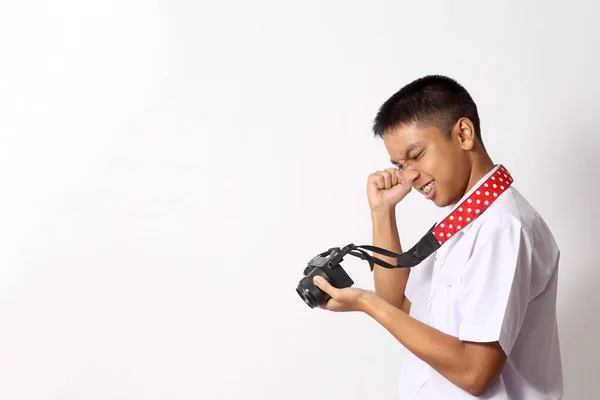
[[440, 202]]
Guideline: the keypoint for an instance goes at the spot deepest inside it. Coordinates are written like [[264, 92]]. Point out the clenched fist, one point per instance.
[[385, 189]]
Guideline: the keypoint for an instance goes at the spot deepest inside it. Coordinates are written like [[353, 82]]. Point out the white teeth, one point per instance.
[[427, 188]]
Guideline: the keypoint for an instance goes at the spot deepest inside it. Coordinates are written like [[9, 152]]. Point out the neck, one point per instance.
[[481, 167]]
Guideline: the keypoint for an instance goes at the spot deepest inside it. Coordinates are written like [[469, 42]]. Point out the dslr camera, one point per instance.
[[326, 264]]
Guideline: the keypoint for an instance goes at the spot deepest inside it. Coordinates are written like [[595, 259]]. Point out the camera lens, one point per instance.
[[310, 293], [307, 296]]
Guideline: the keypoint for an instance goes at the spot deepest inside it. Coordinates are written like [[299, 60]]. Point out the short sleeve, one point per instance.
[[496, 285]]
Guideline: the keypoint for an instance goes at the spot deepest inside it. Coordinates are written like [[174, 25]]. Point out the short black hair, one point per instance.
[[433, 100]]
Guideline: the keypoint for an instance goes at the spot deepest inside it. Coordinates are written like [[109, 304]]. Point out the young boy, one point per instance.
[[478, 315]]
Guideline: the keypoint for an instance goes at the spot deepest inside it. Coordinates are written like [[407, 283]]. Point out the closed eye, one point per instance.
[[417, 156]]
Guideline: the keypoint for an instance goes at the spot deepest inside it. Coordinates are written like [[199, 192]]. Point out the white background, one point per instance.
[[168, 168]]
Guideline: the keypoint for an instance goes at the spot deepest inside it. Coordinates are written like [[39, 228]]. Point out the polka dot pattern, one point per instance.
[[474, 205]]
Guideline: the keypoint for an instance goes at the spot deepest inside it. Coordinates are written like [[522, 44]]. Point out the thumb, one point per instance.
[[400, 190], [401, 180], [324, 285], [400, 176]]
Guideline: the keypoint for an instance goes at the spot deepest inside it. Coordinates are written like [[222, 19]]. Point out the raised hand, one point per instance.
[[385, 189]]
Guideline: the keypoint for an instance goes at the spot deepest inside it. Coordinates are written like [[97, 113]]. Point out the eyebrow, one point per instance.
[[409, 148]]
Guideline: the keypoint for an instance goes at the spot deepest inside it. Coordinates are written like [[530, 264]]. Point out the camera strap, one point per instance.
[[479, 199]]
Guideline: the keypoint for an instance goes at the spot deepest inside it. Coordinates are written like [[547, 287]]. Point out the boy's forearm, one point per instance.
[[389, 283], [448, 355]]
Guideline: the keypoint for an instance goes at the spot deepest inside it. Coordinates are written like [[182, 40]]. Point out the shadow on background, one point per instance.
[[579, 327], [578, 234]]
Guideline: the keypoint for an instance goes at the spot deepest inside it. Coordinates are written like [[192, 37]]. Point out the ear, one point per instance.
[[465, 133]]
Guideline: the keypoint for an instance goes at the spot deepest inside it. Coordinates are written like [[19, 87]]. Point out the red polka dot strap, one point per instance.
[[471, 207], [464, 213]]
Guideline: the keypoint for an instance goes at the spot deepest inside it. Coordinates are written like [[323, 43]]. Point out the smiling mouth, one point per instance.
[[428, 187]]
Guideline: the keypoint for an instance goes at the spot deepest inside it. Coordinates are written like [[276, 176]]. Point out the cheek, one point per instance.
[[441, 170], [446, 166], [452, 180], [445, 174]]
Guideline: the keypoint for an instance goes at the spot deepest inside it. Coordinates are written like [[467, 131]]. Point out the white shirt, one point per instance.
[[495, 280]]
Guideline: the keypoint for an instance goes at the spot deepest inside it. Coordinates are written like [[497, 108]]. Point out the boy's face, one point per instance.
[[437, 166]]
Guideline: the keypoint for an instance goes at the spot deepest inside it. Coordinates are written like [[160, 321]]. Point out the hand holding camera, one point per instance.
[[349, 299], [328, 286]]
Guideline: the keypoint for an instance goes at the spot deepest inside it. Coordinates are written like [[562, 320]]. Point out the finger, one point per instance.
[[400, 176], [387, 177], [325, 286], [377, 179], [394, 176], [331, 305]]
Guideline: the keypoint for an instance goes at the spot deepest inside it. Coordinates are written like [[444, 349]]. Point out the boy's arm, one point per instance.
[[474, 367], [495, 297], [389, 283], [384, 191]]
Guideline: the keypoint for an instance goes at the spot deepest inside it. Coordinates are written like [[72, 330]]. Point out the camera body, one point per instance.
[[328, 266]]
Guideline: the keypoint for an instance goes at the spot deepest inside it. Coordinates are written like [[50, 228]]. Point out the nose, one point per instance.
[[410, 175]]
